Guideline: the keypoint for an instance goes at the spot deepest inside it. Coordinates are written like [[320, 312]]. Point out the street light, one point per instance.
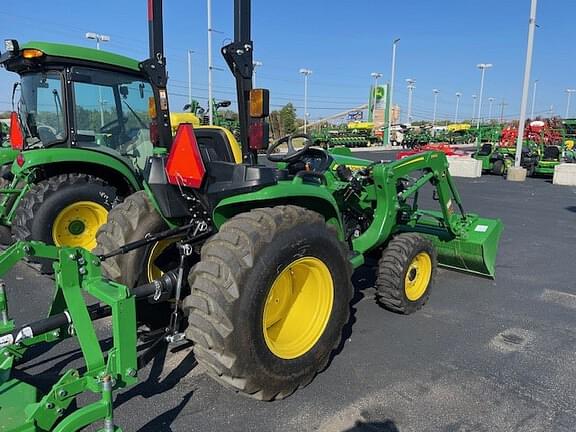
[[435, 91], [569, 92], [482, 67], [533, 98], [392, 78], [99, 38], [306, 73], [474, 107], [491, 102], [376, 76], [411, 88], [256, 64], [190, 52], [525, 89], [458, 96], [210, 65]]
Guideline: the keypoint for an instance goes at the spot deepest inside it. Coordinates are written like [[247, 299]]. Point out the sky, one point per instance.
[[342, 42]]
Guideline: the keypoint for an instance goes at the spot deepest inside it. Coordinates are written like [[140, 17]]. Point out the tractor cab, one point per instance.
[[75, 97], [80, 97]]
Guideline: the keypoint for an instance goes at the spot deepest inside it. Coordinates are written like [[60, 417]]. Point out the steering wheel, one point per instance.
[[293, 153]]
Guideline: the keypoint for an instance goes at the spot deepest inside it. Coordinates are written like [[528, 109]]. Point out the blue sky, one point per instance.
[[341, 41]]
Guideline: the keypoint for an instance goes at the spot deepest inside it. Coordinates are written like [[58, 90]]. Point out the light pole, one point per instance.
[[376, 76], [569, 93], [533, 98], [490, 103], [99, 38], [306, 73], [392, 79], [474, 107], [210, 66], [482, 67], [256, 64], [411, 88], [190, 52], [458, 96], [525, 89], [435, 91]]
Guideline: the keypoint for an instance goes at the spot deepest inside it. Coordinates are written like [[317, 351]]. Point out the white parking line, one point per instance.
[[560, 297]]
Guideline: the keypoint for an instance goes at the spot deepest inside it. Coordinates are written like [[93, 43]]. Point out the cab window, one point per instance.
[[111, 110]]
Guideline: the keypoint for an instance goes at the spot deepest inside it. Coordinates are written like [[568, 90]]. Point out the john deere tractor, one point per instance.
[[269, 250], [81, 135], [251, 262]]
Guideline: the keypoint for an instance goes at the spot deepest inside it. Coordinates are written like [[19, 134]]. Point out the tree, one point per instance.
[[288, 118]]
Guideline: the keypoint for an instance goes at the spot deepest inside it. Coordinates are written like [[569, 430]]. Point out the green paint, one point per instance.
[[84, 54], [37, 158], [25, 408]]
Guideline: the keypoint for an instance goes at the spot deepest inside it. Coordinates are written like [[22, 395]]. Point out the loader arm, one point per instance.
[[464, 241]]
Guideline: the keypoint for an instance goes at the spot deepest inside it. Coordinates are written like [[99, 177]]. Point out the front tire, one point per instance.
[[406, 273], [269, 301]]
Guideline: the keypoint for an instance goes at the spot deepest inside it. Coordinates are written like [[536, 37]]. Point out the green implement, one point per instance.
[[23, 407]]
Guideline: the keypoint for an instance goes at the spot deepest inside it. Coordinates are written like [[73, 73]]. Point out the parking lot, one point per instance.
[[482, 355]]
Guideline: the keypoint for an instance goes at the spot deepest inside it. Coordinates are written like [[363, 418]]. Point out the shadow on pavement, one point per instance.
[[384, 426], [153, 385], [571, 208], [362, 279]]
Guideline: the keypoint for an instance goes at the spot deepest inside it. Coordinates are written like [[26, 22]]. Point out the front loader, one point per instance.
[[250, 262]]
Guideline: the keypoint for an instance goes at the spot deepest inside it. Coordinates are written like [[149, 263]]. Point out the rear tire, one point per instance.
[[406, 273], [129, 221], [237, 299], [5, 233], [498, 167], [65, 210]]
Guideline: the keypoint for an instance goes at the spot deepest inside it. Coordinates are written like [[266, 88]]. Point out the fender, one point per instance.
[[7, 155], [49, 156], [312, 197]]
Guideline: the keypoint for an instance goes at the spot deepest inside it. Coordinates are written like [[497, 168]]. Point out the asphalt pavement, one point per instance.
[[482, 355]]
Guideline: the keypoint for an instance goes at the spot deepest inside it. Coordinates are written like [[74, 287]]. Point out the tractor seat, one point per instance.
[[551, 153], [485, 150], [214, 145]]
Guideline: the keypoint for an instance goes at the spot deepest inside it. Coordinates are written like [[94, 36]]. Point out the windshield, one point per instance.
[[40, 108], [111, 110]]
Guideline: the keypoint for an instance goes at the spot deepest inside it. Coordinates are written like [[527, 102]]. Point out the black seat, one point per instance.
[[551, 153], [485, 150], [214, 145]]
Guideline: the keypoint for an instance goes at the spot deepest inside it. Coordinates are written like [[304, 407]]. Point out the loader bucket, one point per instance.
[[473, 251]]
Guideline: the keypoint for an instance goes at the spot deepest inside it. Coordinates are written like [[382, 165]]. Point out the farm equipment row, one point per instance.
[[251, 263], [545, 146]]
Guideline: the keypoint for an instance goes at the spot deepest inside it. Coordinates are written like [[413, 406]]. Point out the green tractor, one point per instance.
[[496, 159], [253, 262], [84, 134]]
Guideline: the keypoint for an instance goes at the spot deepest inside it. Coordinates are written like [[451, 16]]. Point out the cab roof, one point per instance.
[[83, 53]]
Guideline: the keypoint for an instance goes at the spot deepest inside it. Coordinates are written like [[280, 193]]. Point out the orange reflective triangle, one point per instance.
[[16, 135], [185, 165]]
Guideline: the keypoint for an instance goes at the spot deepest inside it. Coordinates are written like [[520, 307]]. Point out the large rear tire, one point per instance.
[[65, 210], [498, 167], [269, 301], [129, 221], [406, 273]]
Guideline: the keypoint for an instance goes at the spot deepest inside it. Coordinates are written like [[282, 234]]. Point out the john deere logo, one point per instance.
[[379, 92]]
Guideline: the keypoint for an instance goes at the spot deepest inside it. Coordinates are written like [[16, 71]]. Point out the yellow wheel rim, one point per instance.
[[298, 308], [418, 276], [76, 224], [153, 272]]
